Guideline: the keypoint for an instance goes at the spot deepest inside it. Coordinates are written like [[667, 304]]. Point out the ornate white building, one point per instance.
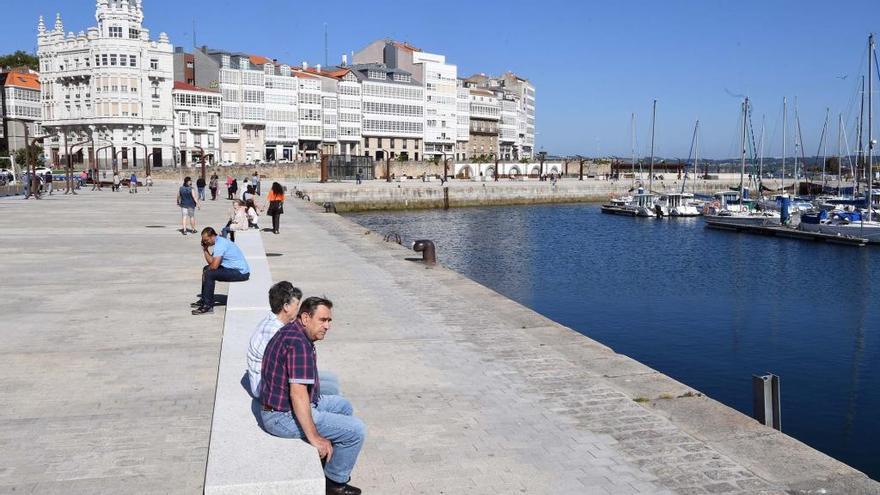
[[110, 85]]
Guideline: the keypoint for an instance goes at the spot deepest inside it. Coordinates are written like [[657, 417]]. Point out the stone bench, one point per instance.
[[242, 458]]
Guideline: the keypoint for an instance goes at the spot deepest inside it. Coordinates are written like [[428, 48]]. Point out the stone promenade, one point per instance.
[[108, 384]]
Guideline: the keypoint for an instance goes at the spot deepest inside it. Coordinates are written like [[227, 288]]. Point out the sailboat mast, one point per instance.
[[861, 153], [653, 122], [825, 146], [632, 120], [696, 153], [742, 172], [839, 149], [761, 159], [870, 130], [784, 125], [797, 147]]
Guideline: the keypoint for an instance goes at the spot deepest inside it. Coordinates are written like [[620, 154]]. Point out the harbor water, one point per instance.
[[707, 308]]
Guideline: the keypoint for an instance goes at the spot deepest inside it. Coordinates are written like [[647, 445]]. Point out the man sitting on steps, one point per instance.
[[293, 405], [226, 263], [284, 301]]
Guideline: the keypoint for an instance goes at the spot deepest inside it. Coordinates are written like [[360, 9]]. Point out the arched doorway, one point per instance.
[[466, 172]]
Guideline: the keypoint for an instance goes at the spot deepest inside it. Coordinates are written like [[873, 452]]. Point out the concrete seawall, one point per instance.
[[505, 381], [379, 195]]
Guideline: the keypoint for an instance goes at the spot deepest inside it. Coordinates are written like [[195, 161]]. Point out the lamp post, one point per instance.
[[387, 164], [201, 159], [541, 156], [445, 168], [96, 181], [495, 170], [68, 148], [147, 155], [32, 162], [581, 161]]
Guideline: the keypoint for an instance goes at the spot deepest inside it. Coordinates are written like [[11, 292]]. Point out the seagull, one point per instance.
[[843, 77]]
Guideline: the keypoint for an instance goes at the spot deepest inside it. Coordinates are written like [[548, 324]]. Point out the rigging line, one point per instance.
[[822, 137]]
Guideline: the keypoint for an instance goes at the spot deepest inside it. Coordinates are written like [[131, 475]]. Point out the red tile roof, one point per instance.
[[189, 87], [260, 60], [406, 46], [336, 73], [23, 80]]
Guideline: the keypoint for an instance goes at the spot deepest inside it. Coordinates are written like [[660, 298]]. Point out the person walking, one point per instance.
[[229, 186], [233, 189], [133, 184], [49, 178], [148, 182], [212, 185], [116, 181], [276, 206], [200, 185], [256, 183], [188, 202]]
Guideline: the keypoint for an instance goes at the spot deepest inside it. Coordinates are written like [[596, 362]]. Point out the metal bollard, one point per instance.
[[426, 247], [393, 237], [329, 207], [765, 400]]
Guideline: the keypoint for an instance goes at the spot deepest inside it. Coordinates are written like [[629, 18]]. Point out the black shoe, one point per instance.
[[334, 488], [197, 305], [203, 310], [182, 231]]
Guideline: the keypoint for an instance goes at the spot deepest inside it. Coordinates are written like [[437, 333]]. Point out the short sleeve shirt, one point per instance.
[[232, 256], [290, 357]]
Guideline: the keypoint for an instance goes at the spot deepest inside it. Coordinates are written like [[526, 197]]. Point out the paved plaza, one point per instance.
[[109, 381]]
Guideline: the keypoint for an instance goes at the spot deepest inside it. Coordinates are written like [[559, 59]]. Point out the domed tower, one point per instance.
[[119, 18]]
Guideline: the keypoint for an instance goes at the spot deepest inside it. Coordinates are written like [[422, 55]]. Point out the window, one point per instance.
[[183, 138], [115, 32], [104, 60], [97, 60], [184, 118], [132, 60], [154, 64], [123, 60], [391, 143], [112, 59], [197, 139], [210, 140], [375, 74], [134, 33]]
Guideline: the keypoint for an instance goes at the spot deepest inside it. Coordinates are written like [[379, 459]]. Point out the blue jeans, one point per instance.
[[334, 421], [201, 193], [211, 277]]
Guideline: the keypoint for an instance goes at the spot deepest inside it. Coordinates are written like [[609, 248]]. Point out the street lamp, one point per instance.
[[202, 159], [68, 179], [495, 170], [387, 164], [541, 156], [445, 168], [581, 161], [28, 144], [96, 181]]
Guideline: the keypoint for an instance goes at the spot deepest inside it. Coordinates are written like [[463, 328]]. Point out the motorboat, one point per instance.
[[677, 205], [848, 222]]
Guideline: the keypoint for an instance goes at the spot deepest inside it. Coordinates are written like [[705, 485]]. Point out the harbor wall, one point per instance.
[[379, 195]]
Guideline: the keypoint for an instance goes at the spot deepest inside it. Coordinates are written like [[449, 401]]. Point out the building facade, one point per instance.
[[107, 91], [393, 112], [485, 112], [20, 108], [196, 124], [516, 117]]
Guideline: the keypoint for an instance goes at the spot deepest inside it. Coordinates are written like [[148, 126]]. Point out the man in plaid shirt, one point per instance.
[[293, 407]]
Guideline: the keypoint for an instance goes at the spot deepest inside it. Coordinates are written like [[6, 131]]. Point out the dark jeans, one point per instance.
[[211, 277], [213, 193], [276, 222]]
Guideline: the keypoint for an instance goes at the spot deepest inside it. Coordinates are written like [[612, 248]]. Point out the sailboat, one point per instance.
[[731, 207], [640, 204], [853, 222], [681, 204]]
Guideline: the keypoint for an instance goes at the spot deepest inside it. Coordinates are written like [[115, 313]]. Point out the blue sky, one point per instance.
[[593, 63]]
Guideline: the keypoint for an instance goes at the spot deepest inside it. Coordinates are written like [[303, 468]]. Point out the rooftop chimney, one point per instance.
[[344, 60], [318, 67], [305, 65]]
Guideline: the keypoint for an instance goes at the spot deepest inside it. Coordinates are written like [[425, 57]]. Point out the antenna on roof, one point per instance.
[[194, 34], [326, 61]]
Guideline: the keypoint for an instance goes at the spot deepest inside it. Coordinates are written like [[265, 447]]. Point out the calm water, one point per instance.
[[707, 308]]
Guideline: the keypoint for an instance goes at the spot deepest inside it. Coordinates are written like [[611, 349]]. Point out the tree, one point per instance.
[[36, 154], [20, 59]]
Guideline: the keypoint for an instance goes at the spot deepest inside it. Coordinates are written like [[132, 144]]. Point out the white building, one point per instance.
[[110, 84], [197, 124], [393, 122], [311, 114], [463, 121], [282, 114], [19, 107], [441, 104]]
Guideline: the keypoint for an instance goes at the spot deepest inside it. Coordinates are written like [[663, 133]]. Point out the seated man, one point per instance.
[[284, 301], [225, 264], [293, 406]]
